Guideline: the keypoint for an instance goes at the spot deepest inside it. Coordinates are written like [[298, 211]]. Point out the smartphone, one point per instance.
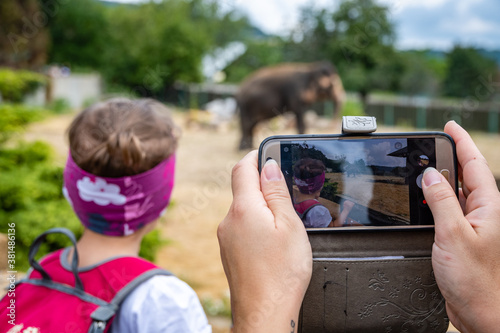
[[371, 180]]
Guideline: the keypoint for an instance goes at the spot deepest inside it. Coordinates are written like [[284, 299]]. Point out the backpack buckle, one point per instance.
[[97, 326]]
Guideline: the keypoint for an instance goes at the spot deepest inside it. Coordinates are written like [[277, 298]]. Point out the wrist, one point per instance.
[[481, 316], [486, 319], [271, 313]]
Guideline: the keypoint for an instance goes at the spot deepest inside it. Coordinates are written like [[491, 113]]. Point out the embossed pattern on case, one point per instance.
[[397, 295]]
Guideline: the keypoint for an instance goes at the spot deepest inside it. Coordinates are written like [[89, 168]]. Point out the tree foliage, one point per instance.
[[80, 34], [146, 47], [23, 35], [143, 47], [422, 74], [357, 37], [468, 72], [151, 47], [259, 53]]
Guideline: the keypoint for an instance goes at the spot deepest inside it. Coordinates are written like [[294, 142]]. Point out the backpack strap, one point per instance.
[[106, 310], [308, 205], [104, 313], [74, 262]]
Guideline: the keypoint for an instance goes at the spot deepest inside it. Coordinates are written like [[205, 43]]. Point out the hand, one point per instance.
[[466, 251], [348, 205], [265, 250]]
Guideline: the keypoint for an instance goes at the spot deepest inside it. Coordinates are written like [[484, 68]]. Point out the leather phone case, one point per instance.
[[372, 281]]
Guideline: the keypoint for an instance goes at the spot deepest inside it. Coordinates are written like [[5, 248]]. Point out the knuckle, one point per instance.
[[443, 194], [457, 230], [237, 209], [276, 193], [236, 168]]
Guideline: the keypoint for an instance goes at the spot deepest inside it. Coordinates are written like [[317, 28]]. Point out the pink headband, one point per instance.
[[310, 185], [118, 206]]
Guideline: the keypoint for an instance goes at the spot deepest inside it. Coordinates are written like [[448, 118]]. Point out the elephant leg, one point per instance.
[[247, 126], [301, 125]]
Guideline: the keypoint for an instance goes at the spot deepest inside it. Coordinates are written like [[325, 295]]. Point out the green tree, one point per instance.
[[154, 45], [143, 47], [468, 73], [422, 74], [357, 37], [259, 53], [23, 35], [80, 34]]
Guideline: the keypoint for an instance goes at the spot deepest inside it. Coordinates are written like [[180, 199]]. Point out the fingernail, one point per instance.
[[272, 171], [431, 177]]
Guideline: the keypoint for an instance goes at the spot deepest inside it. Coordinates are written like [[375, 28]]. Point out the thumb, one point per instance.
[[442, 201], [275, 190]]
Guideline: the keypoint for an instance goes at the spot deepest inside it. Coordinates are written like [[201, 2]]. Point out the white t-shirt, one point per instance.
[[318, 217], [161, 304]]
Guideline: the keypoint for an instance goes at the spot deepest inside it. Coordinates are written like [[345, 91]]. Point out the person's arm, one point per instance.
[[265, 250], [466, 251], [343, 214]]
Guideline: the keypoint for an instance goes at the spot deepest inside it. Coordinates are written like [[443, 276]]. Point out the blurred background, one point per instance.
[[412, 64]]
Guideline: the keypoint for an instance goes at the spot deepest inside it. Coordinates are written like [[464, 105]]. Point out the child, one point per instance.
[[118, 179], [309, 176]]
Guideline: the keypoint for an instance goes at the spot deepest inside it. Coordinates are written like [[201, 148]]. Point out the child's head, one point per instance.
[[122, 137], [309, 175], [120, 171]]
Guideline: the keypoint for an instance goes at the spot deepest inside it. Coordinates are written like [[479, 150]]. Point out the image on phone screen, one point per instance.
[[358, 182]]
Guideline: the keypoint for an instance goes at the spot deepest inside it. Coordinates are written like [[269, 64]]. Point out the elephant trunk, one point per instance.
[[338, 95]]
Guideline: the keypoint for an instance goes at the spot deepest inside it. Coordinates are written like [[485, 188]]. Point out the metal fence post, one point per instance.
[[389, 115], [493, 121], [421, 117]]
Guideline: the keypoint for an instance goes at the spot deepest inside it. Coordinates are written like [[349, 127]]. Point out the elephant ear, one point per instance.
[[323, 80], [309, 94]]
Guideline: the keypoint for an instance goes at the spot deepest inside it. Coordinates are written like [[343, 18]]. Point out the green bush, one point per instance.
[[25, 154], [36, 218], [329, 190], [14, 118], [352, 108], [150, 245], [14, 85], [60, 106], [30, 197]]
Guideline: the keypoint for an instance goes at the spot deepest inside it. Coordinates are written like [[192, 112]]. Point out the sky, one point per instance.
[[373, 152], [437, 24]]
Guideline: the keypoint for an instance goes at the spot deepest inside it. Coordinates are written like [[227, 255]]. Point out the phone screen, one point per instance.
[[358, 182]]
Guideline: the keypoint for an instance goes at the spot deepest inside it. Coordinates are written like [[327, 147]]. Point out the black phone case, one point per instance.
[[349, 292]]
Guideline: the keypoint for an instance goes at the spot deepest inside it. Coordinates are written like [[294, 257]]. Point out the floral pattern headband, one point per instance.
[[119, 206]]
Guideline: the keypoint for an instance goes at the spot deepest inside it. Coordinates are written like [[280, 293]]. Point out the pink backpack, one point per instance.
[[54, 299], [304, 207]]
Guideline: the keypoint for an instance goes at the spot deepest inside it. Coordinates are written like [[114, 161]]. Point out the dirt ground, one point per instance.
[[202, 192], [392, 192]]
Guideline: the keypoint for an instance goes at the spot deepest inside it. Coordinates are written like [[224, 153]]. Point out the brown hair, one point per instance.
[[308, 168], [122, 137]]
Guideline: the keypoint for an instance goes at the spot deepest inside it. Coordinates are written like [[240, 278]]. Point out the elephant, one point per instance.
[[289, 87]]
